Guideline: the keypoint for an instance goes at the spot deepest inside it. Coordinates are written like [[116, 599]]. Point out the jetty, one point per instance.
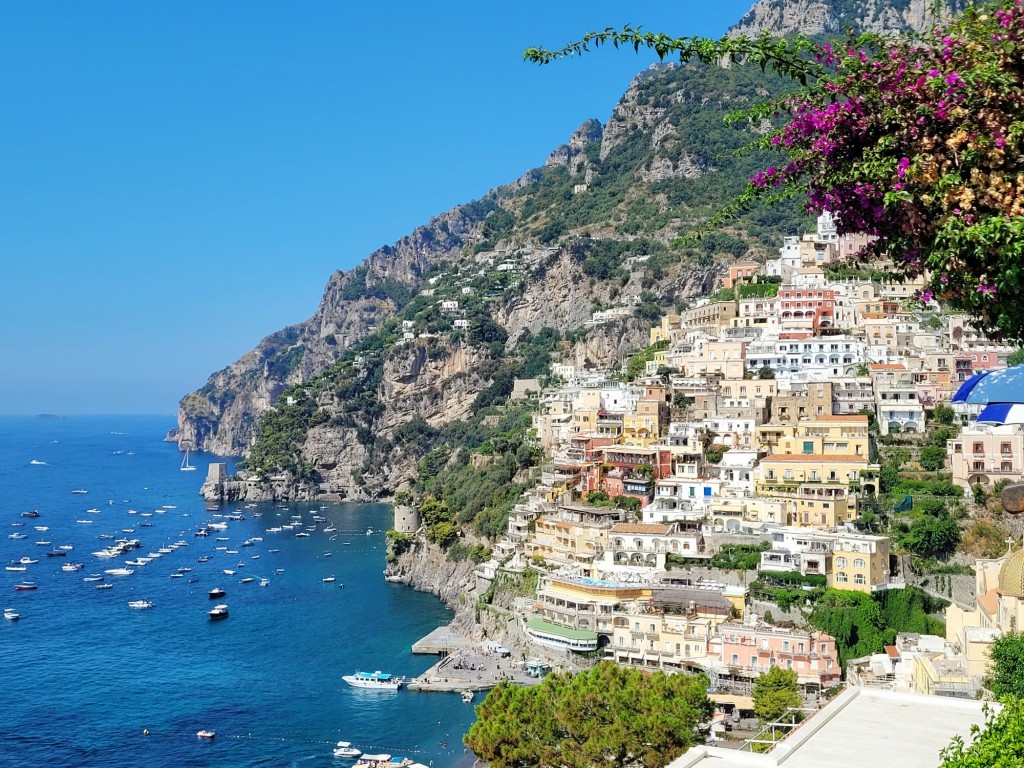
[[443, 640]]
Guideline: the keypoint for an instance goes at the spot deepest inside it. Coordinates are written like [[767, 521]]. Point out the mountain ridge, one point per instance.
[[594, 229]]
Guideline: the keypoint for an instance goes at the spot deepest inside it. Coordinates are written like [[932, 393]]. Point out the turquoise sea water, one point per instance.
[[83, 675]]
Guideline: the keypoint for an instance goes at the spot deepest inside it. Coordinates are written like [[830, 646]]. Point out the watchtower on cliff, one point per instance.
[[407, 519]]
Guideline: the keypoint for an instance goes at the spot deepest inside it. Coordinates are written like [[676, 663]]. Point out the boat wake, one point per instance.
[[37, 462]]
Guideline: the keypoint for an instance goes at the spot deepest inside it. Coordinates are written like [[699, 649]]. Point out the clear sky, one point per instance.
[[178, 180]]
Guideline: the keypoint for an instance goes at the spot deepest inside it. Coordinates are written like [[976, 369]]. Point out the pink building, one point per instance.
[[747, 650]]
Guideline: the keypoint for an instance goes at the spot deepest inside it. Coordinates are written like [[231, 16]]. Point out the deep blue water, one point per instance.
[[82, 675]]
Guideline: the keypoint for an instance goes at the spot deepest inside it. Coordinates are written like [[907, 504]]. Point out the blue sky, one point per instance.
[[178, 180]]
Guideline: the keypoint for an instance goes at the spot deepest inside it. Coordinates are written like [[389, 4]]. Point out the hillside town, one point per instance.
[[735, 458]]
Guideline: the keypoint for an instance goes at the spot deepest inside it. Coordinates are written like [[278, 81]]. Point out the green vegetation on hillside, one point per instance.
[[863, 624]]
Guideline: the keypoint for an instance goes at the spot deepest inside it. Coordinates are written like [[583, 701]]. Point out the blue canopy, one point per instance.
[[1002, 386], [1002, 413]]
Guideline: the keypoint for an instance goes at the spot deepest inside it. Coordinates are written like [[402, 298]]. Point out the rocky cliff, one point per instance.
[[835, 17]]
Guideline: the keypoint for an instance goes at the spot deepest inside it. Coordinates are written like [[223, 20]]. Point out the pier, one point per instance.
[[443, 640]]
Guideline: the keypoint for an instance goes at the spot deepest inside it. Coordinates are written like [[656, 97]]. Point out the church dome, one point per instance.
[[1011, 575]]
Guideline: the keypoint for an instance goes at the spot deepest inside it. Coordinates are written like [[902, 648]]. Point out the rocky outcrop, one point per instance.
[[222, 416], [426, 568], [573, 155], [816, 17]]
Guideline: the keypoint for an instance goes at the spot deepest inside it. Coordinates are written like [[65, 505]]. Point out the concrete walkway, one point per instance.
[[471, 668], [442, 640]]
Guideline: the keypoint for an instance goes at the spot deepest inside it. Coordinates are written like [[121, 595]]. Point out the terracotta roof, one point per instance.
[[640, 528], [989, 602], [892, 651], [824, 458]]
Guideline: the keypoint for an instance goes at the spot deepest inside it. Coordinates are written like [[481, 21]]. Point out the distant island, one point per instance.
[[49, 416]]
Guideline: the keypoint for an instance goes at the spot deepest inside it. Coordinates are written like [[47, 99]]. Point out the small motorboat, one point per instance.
[[204, 734], [328, 579], [104, 586], [229, 572], [246, 580], [217, 592], [27, 561], [140, 605], [264, 582], [93, 577], [345, 749], [467, 696], [11, 615], [33, 513], [218, 612], [25, 586], [16, 568], [56, 553], [72, 567]]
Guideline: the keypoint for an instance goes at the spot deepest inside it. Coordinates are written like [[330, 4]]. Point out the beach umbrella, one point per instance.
[[1005, 385], [1002, 413]]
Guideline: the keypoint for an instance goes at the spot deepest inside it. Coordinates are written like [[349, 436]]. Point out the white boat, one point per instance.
[[467, 696], [229, 572], [381, 681], [119, 571], [11, 615], [79, 490], [104, 586], [205, 734], [328, 579], [264, 582], [93, 577], [246, 580], [218, 612], [345, 749], [140, 605], [17, 536], [185, 466], [16, 568], [27, 561], [72, 567]]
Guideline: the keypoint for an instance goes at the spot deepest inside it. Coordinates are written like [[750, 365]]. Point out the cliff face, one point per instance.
[[224, 415], [833, 17]]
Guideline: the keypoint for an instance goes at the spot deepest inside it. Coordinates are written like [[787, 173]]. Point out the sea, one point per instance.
[[87, 681]]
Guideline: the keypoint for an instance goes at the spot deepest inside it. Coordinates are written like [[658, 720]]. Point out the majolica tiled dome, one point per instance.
[[1011, 575]]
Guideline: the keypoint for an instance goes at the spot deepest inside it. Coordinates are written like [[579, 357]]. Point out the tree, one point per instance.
[[775, 692], [933, 458], [915, 141], [766, 372], [1007, 675], [944, 414], [1016, 357], [605, 716], [997, 744]]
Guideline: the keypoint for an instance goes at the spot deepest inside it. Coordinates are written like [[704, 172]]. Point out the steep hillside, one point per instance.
[[407, 352]]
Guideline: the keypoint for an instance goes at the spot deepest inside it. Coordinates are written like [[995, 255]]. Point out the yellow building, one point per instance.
[[585, 604], [567, 542], [783, 473], [836, 435], [823, 505], [860, 562], [644, 426]]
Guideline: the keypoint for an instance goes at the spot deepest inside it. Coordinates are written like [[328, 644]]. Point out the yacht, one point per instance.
[[218, 612], [328, 579], [217, 592], [140, 605], [11, 615], [72, 567], [264, 582], [345, 749], [205, 734], [381, 681], [119, 571], [185, 466]]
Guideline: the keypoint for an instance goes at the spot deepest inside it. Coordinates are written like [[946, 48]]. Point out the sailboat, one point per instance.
[[185, 466]]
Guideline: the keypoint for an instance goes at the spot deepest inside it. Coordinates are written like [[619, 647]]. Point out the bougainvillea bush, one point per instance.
[[914, 140]]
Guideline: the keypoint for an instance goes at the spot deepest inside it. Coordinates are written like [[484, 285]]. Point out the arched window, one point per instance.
[[842, 577], [858, 563], [841, 562], [858, 578]]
